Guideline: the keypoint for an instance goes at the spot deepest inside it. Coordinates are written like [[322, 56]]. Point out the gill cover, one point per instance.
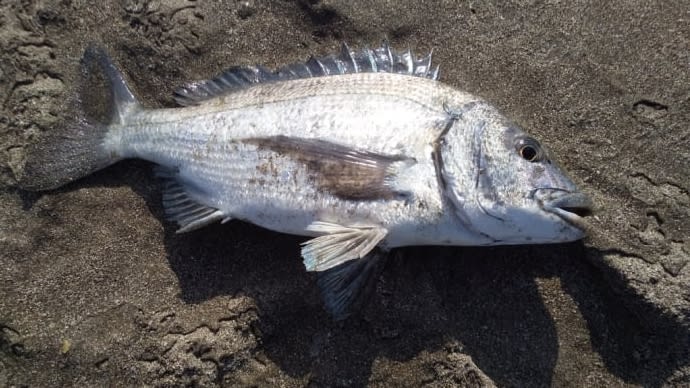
[[490, 169]]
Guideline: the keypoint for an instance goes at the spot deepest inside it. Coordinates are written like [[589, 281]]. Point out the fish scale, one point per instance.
[[362, 150], [237, 173]]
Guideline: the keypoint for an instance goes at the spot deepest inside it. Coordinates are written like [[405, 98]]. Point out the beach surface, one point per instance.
[[96, 289]]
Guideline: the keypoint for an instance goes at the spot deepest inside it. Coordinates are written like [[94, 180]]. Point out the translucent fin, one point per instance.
[[339, 244], [343, 171], [345, 287], [181, 208], [232, 79], [382, 59]]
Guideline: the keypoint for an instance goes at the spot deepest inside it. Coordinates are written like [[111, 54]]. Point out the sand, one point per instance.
[[97, 290]]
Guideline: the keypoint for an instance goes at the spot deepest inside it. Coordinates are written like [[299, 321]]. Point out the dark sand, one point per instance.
[[97, 290]]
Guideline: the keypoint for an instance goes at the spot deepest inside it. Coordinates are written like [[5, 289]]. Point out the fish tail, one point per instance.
[[88, 141]]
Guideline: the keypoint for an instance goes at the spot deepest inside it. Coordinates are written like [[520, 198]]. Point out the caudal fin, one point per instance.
[[78, 147]]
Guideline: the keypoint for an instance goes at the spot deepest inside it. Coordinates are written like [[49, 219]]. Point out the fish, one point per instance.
[[361, 151]]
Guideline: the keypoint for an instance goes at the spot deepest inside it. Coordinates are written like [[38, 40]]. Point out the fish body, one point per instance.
[[363, 151], [215, 148]]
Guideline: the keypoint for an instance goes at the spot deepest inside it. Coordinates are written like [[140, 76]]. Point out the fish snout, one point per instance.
[[570, 206]]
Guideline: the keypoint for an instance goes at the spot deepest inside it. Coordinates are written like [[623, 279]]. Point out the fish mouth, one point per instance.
[[571, 207]]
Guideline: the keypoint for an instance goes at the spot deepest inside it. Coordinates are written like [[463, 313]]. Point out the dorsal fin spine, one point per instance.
[[409, 63], [308, 70], [427, 63], [389, 54], [324, 69], [346, 54], [382, 59], [372, 60]]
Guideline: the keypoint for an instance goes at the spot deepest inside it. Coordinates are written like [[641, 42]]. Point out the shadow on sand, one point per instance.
[[485, 298]]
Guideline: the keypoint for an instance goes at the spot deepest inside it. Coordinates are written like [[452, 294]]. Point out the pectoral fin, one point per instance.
[[339, 244], [340, 170]]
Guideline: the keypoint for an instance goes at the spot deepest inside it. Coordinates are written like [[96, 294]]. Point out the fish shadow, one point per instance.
[[484, 302], [487, 303], [497, 298], [636, 339]]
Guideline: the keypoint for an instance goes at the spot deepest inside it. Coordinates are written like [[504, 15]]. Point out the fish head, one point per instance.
[[510, 189]]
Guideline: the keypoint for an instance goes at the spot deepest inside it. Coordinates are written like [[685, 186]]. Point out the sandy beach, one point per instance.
[[96, 289]]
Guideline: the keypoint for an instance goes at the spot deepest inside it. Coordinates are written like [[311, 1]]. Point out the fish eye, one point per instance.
[[528, 153], [529, 149]]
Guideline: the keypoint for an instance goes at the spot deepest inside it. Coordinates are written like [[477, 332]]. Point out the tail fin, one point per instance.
[[78, 148]]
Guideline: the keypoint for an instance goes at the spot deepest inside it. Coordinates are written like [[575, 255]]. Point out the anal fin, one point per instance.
[[182, 208]]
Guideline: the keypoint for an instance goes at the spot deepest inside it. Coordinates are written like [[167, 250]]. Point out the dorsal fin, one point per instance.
[[382, 59]]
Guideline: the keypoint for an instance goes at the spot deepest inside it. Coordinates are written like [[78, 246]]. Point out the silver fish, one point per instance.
[[363, 150]]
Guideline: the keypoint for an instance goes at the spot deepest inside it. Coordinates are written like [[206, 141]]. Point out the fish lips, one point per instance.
[[571, 207]]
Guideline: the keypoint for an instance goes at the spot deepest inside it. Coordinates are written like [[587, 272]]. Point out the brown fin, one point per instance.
[[342, 171]]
